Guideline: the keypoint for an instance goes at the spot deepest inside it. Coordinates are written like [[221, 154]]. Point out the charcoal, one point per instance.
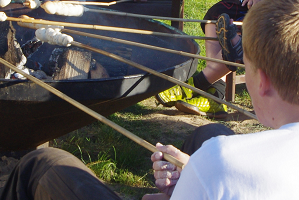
[[10, 49], [31, 46]]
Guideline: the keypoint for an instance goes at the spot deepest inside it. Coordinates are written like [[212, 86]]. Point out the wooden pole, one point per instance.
[[169, 78], [156, 17], [151, 47], [94, 114], [105, 28]]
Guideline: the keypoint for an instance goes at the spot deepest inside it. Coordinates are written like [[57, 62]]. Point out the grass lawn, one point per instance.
[[196, 9], [114, 158]]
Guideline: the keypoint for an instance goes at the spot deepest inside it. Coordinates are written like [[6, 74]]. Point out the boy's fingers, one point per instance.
[[163, 184], [169, 149], [166, 174], [163, 165], [157, 156]]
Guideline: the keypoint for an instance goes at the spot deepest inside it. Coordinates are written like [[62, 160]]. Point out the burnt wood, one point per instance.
[[73, 64], [10, 50]]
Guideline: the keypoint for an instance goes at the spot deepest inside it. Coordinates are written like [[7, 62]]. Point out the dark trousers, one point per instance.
[[51, 173], [203, 133]]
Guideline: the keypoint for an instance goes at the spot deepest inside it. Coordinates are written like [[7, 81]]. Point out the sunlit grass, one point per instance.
[[196, 9], [243, 98]]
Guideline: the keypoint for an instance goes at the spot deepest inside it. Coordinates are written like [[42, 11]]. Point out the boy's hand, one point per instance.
[[167, 174], [250, 3]]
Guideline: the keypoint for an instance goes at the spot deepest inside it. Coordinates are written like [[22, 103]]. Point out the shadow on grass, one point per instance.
[[139, 109]]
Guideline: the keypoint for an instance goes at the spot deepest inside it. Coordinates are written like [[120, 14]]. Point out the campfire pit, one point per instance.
[[31, 115]]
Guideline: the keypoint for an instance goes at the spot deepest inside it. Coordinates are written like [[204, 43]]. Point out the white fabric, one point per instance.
[[257, 166]]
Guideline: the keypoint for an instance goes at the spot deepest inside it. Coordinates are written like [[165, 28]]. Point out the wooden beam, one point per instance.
[[177, 11], [230, 86], [231, 81], [240, 79]]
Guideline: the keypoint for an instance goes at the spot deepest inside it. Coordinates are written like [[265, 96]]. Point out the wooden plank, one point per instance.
[[177, 11], [231, 81], [240, 79], [230, 86], [74, 64]]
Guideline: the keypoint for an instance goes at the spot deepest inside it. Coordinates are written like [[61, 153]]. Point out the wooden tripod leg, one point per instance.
[[231, 81], [230, 86], [177, 11]]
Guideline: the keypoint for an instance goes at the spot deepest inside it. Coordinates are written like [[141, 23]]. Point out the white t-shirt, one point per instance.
[[257, 166]]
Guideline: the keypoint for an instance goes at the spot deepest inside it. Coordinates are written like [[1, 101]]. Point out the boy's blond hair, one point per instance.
[[271, 43]]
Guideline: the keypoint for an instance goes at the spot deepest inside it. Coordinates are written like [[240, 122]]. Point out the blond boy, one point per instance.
[[260, 165]]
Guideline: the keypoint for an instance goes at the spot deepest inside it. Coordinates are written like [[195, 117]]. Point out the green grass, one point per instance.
[[242, 98], [113, 157], [196, 9], [117, 160]]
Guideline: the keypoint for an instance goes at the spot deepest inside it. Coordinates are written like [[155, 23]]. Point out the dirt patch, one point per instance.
[[176, 121]]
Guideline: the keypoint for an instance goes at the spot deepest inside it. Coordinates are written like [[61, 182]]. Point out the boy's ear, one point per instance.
[[265, 84]]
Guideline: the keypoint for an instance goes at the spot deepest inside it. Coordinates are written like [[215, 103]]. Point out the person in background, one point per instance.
[[209, 79]]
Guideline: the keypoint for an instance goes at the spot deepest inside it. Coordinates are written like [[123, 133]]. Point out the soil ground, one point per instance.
[[171, 118]]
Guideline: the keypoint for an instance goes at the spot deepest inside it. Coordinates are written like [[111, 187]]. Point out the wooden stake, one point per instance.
[[105, 28], [94, 114], [152, 47], [156, 17], [169, 78]]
